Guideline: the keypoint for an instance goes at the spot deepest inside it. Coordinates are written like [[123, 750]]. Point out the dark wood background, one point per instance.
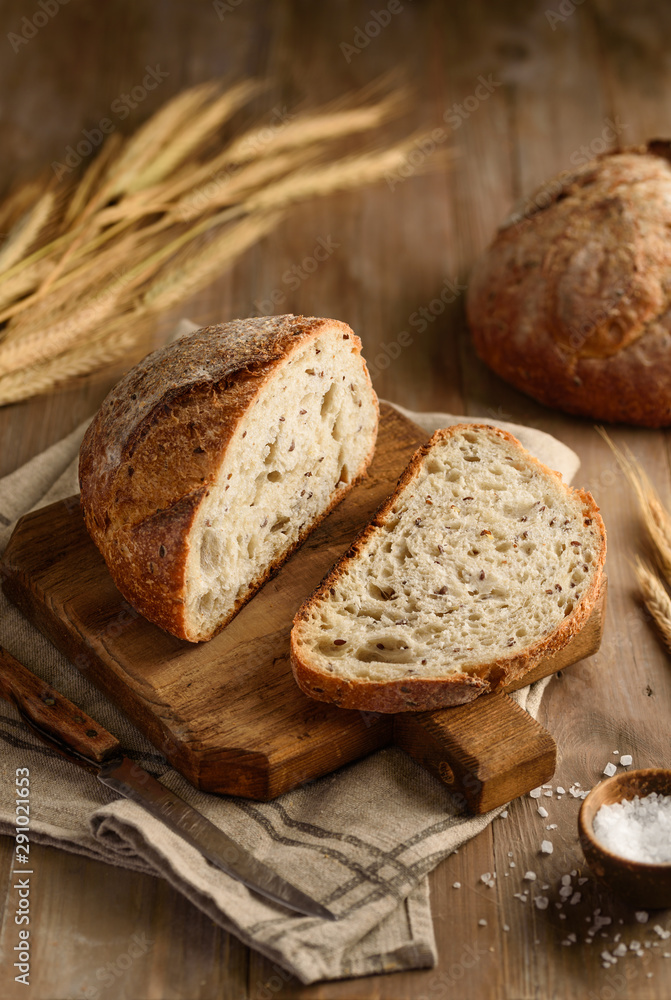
[[560, 76]]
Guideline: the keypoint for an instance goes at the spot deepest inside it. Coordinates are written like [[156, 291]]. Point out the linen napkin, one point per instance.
[[361, 840]]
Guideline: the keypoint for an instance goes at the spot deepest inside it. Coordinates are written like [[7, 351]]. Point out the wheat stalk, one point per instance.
[[189, 119], [658, 526], [301, 132], [83, 279], [199, 269], [21, 285], [219, 191], [157, 216], [353, 171], [18, 202], [655, 517], [26, 231], [192, 135], [156, 132], [656, 599], [41, 345], [87, 186], [107, 347]]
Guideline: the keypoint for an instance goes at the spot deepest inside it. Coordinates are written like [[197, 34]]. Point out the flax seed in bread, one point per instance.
[[481, 563], [212, 459]]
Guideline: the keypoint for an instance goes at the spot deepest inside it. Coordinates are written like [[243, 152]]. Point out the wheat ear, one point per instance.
[[26, 231], [656, 518], [656, 599]]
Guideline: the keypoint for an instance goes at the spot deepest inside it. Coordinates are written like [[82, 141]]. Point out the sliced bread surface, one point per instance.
[[212, 459], [478, 565]]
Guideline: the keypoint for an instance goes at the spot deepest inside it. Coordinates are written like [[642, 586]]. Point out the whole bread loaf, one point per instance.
[[212, 459], [571, 302], [481, 563]]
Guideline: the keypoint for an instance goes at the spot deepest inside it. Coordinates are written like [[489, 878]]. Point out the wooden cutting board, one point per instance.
[[227, 713]]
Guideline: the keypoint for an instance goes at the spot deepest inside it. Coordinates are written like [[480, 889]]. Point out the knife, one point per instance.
[[69, 731]]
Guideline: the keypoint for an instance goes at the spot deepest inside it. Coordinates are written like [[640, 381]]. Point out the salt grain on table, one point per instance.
[[638, 829]]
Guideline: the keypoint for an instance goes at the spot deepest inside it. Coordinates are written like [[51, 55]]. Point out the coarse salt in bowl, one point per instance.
[[625, 831], [638, 829]]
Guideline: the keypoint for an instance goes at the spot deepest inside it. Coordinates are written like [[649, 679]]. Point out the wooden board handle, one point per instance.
[[487, 753], [52, 717]]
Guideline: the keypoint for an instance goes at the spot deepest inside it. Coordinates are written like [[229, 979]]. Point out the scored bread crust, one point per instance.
[[419, 694], [570, 303], [156, 445]]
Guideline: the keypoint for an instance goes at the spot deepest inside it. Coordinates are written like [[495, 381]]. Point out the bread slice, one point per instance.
[[479, 564], [212, 459]]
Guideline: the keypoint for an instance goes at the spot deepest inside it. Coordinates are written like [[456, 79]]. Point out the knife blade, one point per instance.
[[135, 783], [73, 734]]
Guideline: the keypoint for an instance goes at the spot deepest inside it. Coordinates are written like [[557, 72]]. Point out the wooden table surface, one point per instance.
[[560, 80]]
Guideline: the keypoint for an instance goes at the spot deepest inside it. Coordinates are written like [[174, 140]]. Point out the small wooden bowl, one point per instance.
[[637, 883]]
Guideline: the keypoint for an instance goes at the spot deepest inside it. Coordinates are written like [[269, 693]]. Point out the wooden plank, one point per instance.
[[603, 59], [119, 931]]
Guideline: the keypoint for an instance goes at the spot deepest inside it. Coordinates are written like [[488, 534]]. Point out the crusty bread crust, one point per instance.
[[421, 694], [570, 302], [149, 456]]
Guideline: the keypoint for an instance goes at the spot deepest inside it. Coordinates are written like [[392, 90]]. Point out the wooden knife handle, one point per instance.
[[57, 720], [487, 752]]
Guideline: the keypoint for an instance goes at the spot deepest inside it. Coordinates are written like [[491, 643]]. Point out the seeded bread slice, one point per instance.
[[212, 459], [480, 563]]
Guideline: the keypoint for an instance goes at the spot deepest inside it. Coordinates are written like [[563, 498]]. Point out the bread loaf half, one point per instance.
[[212, 460], [480, 563]]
